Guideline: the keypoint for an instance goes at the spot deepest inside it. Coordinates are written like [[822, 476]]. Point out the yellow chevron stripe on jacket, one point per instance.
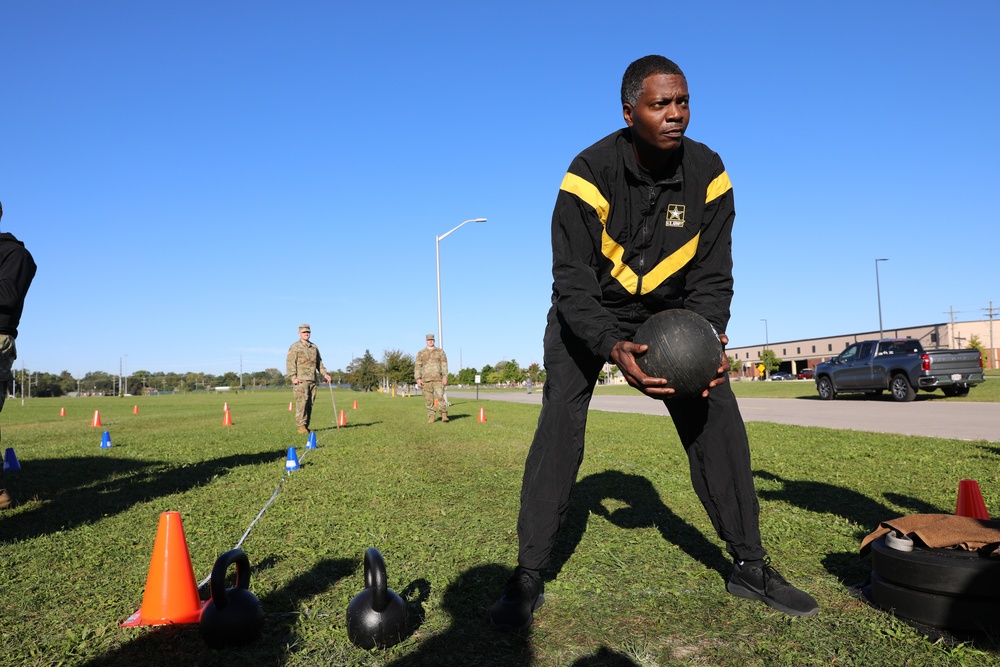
[[668, 266]]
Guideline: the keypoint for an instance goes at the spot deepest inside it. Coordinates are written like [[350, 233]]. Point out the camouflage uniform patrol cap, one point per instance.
[[304, 327], [430, 336]]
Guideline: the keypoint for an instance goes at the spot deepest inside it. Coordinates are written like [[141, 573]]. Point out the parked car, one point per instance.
[[781, 375], [805, 374], [900, 365]]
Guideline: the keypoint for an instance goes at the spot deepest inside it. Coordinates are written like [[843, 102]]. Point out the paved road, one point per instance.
[[929, 417]]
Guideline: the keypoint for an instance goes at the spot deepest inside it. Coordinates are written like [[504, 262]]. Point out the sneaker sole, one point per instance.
[[750, 594], [539, 601]]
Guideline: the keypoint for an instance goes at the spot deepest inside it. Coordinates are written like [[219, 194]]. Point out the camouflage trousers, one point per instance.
[[434, 390], [8, 353], [305, 396]]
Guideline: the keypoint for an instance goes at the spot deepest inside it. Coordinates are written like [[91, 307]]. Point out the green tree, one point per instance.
[[397, 367], [976, 344], [466, 376], [363, 373], [533, 371], [770, 360]]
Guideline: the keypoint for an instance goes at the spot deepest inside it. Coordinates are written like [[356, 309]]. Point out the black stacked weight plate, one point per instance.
[[943, 588]]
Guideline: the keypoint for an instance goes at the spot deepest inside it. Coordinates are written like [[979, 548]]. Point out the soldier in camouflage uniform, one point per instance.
[[300, 367], [431, 373]]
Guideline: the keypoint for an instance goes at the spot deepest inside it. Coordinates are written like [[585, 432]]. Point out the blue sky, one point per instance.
[[195, 179]]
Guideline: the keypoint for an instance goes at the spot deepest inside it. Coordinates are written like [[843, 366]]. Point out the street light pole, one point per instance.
[[437, 248], [878, 293], [766, 373]]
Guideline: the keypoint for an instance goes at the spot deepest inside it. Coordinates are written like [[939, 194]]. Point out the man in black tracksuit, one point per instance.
[[17, 269], [642, 223]]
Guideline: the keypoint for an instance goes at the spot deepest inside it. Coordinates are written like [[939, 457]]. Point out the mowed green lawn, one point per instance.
[[640, 572]]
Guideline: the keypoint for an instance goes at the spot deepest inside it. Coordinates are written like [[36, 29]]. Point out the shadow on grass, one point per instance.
[[75, 491], [645, 510], [183, 644], [469, 640], [856, 507], [605, 657]]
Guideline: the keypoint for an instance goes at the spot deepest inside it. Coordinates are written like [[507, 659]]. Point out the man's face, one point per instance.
[[661, 115], [304, 335], [430, 342]]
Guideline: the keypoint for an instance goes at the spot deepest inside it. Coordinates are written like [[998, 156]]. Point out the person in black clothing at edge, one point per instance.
[[642, 223], [17, 269]]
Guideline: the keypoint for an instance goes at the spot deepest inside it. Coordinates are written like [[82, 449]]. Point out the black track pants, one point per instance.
[[711, 431]]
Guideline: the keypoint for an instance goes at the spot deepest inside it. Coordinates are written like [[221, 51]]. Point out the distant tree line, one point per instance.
[[364, 373]]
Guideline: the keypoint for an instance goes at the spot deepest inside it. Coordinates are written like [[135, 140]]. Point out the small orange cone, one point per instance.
[[355, 405], [97, 418], [225, 407], [171, 595], [970, 500], [227, 419], [62, 412], [290, 406], [343, 419], [135, 409], [482, 414], [435, 402]]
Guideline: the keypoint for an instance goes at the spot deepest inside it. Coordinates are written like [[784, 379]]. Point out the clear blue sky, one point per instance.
[[195, 179]]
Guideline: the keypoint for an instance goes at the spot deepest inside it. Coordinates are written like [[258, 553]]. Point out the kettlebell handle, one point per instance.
[[375, 579], [218, 583]]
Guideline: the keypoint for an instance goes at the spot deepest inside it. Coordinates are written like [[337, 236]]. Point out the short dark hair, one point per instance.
[[638, 71]]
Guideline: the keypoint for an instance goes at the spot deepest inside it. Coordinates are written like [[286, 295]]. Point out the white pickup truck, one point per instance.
[[900, 365]]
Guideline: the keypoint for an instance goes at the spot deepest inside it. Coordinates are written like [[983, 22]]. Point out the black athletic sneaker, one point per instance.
[[757, 580], [522, 595]]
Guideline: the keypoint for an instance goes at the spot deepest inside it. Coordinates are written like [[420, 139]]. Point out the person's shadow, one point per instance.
[[644, 509], [469, 638]]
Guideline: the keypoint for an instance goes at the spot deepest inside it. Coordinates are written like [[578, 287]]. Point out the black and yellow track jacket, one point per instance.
[[625, 246]]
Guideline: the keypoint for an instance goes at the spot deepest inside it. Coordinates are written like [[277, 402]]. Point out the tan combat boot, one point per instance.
[[444, 416], [5, 500], [430, 419], [303, 429]]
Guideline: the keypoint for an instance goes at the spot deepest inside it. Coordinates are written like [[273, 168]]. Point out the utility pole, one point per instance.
[[951, 329], [991, 311]]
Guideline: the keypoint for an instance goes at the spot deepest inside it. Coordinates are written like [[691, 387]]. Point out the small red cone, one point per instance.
[[135, 409], [227, 419], [435, 402], [355, 405], [343, 419], [970, 500], [62, 412], [482, 414], [171, 595], [97, 418], [225, 407]]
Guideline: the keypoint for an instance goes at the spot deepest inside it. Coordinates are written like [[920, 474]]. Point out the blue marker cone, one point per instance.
[[311, 443], [292, 462], [106, 440], [10, 462]]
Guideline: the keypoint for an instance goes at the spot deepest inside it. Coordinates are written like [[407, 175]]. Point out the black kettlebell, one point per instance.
[[233, 617], [376, 615]]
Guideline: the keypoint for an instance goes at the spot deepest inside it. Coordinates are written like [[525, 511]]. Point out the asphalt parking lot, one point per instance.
[[938, 419]]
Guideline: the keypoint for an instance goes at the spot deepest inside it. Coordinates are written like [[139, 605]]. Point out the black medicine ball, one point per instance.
[[683, 348]]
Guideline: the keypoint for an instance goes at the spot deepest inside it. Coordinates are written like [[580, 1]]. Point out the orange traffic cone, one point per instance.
[[355, 405], [970, 500], [290, 406], [171, 595], [135, 409], [97, 418], [227, 419], [343, 419], [62, 412], [435, 402], [482, 414], [225, 407]]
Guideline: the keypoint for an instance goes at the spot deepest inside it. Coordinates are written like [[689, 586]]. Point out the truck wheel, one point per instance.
[[901, 388], [825, 389]]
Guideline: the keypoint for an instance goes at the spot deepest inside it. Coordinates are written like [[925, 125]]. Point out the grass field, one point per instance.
[[640, 573]]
